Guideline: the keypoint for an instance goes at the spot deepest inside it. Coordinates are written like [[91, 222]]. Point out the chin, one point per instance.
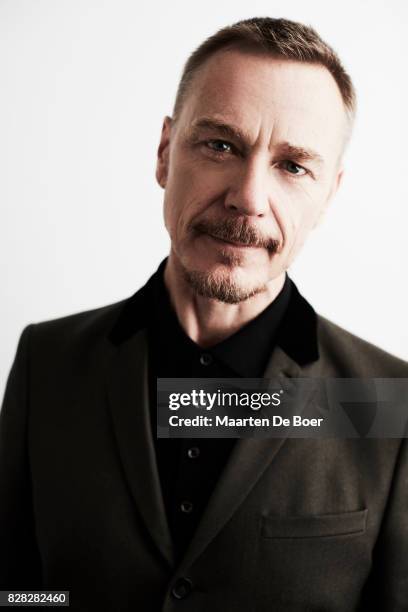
[[223, 282]]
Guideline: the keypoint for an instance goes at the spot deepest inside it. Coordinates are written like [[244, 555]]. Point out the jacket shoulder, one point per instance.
[[93, 323], [348, 355]]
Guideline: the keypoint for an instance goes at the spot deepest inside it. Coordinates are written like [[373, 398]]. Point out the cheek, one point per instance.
[[181, 207], [189, 191], [296, 213], [287, 210], [204, 181], [167, 216]]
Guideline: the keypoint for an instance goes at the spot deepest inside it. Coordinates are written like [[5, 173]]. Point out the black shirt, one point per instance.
[[183, 471], [189, 469]]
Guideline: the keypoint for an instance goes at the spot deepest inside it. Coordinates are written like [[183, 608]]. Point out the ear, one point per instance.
[[336, 184], [162, 165]]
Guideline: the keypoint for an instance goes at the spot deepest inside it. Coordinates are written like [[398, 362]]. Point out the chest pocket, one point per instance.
[[304, 560], [314, 526]]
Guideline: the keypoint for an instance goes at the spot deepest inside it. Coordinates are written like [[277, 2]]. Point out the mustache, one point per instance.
[[237, 230]]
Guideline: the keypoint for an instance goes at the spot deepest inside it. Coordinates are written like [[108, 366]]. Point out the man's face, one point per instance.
[[248, 168]]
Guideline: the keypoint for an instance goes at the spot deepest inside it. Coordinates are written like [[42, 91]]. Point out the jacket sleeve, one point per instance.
[[387, 587], [20, 563]]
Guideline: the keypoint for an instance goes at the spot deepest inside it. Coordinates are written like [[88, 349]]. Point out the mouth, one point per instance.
[[236, 237], [232, 244]]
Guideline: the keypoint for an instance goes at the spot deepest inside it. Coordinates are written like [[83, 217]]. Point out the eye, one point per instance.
[[293, 168], [219, 146]]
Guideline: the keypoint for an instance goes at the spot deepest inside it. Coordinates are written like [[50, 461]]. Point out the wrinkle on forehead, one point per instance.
[[267, 72], [269, 100]]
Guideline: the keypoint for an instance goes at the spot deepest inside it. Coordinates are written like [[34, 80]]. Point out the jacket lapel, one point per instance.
[[246, 464], [129, 404], [128, 401]]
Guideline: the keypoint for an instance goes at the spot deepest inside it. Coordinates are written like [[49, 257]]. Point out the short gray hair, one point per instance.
[[275, 37]]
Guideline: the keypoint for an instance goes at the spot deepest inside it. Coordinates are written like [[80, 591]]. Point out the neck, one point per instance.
[[208, 321]]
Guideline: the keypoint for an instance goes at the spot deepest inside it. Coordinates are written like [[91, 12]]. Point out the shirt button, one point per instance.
[[181, 588], [193, 452], [186, 506], [205, 359]]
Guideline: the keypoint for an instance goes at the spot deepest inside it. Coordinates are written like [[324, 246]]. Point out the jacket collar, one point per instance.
[[297, 333]]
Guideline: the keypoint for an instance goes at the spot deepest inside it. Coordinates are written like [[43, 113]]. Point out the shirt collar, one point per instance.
[[289, 321], [247, 351]]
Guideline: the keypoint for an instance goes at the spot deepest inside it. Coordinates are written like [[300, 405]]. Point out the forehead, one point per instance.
[[281, 97]]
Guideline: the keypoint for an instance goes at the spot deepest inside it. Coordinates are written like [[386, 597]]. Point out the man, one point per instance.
[[91, 500]]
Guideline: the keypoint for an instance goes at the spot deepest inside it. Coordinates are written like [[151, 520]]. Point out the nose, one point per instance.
[[248, 194]]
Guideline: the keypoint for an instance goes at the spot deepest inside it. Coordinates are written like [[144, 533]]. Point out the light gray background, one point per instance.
[[84, 87]]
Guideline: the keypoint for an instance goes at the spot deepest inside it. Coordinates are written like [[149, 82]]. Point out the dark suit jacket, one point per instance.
[[296, 524]]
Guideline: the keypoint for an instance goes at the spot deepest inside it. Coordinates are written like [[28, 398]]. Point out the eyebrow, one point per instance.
[[284, 148], [299, 153], [230, 131]]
